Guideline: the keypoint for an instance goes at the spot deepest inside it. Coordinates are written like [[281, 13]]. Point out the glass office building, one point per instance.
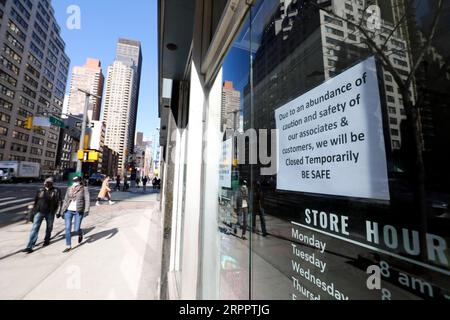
[[304, 149]]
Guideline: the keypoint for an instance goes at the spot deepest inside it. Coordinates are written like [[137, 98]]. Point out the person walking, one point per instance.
[[105, 192], [138, 181], [144, 183], [76, 205], [117, 187], [125, 182], [46, 204], [258, 209], [242, 208]]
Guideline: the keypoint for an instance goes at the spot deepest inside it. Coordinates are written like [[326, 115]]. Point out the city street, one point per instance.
[[119, 257]]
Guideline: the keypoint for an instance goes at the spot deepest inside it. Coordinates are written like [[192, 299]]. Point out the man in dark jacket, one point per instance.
[[125, 182], [144, 183], [117, 188], [46, 205]]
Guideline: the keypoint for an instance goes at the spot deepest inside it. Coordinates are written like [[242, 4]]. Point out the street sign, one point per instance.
[[57, 122]]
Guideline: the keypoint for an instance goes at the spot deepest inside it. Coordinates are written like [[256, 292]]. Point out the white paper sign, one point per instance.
[[330, 140], [225, 164]]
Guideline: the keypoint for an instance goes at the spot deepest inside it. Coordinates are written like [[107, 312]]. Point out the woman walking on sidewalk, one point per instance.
[[105, 192], [76, 205]]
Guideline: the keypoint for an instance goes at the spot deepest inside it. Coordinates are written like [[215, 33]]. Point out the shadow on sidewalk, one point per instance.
[[57, 237], [107, 234]]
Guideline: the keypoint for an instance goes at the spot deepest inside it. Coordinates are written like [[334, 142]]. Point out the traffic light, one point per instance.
[[28, 123], [88, 156], [83, 155]]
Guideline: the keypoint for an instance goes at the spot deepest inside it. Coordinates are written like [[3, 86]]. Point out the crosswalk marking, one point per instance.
[[24, 205], [14, 201], [4, 199]]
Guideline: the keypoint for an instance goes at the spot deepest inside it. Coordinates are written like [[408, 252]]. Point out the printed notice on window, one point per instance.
[[330, 140]]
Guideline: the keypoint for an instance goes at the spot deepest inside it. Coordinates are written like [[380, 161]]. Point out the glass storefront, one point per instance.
[[333, 178]]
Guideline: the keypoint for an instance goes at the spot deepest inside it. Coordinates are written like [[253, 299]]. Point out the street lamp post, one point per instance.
[[83, 125]]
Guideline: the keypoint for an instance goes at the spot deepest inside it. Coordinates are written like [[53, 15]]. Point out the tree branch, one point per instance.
[[428, 43], [371, 43]]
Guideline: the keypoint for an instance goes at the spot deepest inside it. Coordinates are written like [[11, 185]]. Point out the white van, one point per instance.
[[12, 171]]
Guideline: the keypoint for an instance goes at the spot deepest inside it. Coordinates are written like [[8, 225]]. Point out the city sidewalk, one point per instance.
[[120, 257]]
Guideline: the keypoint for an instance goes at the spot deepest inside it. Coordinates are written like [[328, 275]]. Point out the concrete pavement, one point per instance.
[[118, 259]]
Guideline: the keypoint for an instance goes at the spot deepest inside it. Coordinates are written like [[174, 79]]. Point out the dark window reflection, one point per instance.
[[294, 47]]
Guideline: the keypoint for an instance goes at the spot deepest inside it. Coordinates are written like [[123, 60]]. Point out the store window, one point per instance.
[[325, 194], [234, 255]]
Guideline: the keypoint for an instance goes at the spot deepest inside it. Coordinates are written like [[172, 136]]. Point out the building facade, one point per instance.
[[33, 77], [121, 100], [139, 160], [90, 79], [140, 157], [231, 107], [139, 139], [339, 101], [148, 160], [110, 162]]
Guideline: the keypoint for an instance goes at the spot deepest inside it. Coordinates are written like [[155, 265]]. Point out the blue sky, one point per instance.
[[103, 22]]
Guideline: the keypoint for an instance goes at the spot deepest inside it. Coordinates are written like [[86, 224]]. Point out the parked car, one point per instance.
[[96, 179]]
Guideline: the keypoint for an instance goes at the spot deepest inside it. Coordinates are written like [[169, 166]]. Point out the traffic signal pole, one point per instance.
[[83, 131], [83, 126]]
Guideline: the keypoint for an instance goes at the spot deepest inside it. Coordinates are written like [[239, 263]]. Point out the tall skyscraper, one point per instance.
[[33, 77], [121, 100], [139, 138], [88, 78], [231, 105]]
